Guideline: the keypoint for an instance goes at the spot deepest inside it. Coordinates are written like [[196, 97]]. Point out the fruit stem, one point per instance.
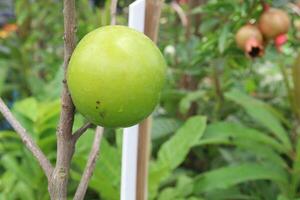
[[265, 5]]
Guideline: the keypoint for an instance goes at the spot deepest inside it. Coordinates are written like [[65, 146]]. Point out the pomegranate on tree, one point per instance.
[[274, 22], [250, 39]]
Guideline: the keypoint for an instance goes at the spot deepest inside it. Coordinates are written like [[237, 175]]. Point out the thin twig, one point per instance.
[[77, 134], [180, 12], [27, 140], [113, 12], [90, 166]]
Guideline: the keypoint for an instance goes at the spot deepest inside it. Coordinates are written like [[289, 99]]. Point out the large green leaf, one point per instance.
[[182, 189], [164, 126], [227, 194], [223, 39], [261, 113], [10, 163], [187, 101], [229, 176], [174, 151], [23, 191], [229, 133], [28, 108], [261, 152]]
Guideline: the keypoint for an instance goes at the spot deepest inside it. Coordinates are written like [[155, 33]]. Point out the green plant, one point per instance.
[[246, 146]]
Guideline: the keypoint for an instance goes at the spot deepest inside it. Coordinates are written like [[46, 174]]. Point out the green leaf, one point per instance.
[[7, 182], [262, 152], [226, 194], [223, 38], [229, 176], [182, 189], [187, 101], [281, 197], [228, 133], [12, 165], [24, 192], [8, 135], [261, 113], [174, 151], [164, 126], [28, 108], [262, 146]]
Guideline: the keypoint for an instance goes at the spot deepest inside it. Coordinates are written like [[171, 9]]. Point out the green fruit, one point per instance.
[[115, 76]]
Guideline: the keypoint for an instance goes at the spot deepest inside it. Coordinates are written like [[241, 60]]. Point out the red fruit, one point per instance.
[[280, 40], [250, 39], [274, 22]]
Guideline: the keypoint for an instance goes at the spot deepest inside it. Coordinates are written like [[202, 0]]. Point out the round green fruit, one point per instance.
[[115, 76]]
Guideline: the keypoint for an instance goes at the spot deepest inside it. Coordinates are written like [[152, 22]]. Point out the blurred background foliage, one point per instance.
[[227, 126]]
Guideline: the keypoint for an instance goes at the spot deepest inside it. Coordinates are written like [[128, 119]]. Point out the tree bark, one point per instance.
[[58, 185]]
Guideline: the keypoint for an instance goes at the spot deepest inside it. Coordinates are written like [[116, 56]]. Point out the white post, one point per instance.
[[130, 135]]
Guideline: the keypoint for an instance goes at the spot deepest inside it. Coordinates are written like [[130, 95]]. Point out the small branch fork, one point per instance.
[[81, 131]]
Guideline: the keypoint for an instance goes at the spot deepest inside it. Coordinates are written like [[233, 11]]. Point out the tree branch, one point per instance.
[[58, 186], [113, 12], [180, 12], [90, 166], [27, 140], [81, 131]]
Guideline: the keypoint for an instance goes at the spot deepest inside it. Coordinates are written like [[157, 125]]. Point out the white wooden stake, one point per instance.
[[130, 135]]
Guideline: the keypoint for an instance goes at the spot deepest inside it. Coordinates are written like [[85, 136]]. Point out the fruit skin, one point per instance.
[[279, 41], [115, 76], [274, 22], [249, 38]]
